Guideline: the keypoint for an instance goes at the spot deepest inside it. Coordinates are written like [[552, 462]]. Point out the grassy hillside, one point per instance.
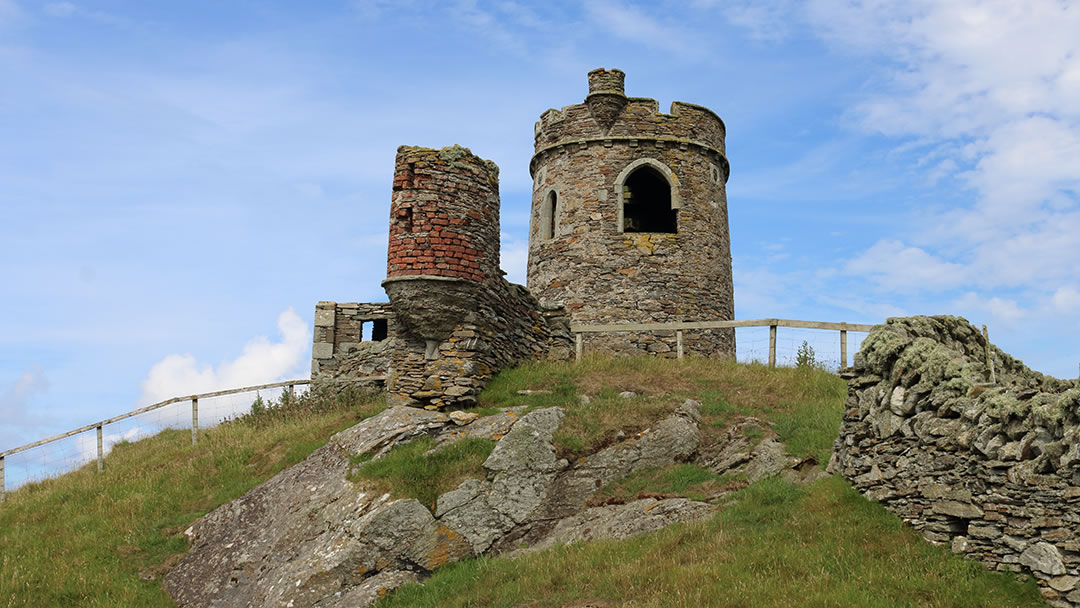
[[104, 540]]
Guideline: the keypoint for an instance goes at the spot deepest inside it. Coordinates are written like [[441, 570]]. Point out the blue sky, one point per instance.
[[180, 183]]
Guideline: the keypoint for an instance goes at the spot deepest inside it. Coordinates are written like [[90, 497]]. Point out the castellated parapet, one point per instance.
[[629, 218]]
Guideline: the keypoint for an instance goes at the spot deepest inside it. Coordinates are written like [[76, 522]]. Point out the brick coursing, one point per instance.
[[444, 215]]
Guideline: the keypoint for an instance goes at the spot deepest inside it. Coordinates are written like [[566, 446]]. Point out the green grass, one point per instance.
[[777, 545], [687, 480], [417, 470], [84, 539]]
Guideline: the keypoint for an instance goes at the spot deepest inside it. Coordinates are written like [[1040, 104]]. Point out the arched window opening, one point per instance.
[[647, 202], [549, 216]]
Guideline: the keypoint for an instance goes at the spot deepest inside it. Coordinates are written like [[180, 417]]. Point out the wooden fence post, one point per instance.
[[678, 343], [772, 346], [577, 346], [2, 488], [843, 348], [292, 393], [195, 421], [989, 361], [100, 451]]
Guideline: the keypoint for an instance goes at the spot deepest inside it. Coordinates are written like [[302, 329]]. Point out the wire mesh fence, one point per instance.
[[822, 346], [75, 449]]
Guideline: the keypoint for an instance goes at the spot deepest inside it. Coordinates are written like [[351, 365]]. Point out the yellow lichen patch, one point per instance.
[[644, 242], [447, 546]]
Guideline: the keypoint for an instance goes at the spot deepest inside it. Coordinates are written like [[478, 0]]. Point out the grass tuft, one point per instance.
[[418, 470]]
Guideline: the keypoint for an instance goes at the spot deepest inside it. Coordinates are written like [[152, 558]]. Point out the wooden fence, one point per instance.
[[678, 327], [289, 385]]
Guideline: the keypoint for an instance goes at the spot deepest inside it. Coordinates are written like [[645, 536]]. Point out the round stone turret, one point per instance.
[[444, 237], [629, 218], [444, 215], [606, 81]]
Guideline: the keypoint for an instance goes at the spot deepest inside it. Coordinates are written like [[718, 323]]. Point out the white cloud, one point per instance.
[[15, 411], [261, 362], [60, 9], [514, 258], [899, 267], [631, 23], [86, 443], [993, 310], [1066, 300], [767, 21]]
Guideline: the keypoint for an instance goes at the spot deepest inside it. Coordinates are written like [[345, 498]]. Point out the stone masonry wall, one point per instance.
[[459, 320], [505, 325], [603, 274], [992, 469], [339, 352]]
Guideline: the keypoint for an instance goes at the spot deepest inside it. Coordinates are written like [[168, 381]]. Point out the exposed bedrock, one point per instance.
[[311, 537], [991, 468]]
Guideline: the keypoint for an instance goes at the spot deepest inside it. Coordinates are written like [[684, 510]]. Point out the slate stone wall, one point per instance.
[[992, 469], [603, 274], [459, 321], [339, 352]]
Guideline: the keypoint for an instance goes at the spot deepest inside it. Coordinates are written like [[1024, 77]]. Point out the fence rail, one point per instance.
[[288, 385], [580, 329]]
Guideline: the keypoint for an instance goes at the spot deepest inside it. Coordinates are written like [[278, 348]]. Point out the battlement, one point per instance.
[[607, 81], [608, 115], [629, 215]]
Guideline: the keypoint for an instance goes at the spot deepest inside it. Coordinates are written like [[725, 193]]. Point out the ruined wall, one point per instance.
[[589, 262], [339, 351], [991, 469], [459, 320]]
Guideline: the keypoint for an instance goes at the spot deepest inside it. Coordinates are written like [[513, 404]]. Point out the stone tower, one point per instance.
[[456, 320], [629, 218]]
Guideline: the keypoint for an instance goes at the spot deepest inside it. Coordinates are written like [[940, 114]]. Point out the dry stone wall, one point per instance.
[[992, 469], [580, 253], [340, 353]]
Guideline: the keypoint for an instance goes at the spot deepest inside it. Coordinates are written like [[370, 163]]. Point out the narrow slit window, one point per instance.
[[549, 216], [647, 203]]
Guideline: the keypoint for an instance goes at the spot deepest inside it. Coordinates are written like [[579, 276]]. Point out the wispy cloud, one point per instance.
[[900, 267], [16, 410], [262, 361], [634, 24], [70, 10], [9, 11]]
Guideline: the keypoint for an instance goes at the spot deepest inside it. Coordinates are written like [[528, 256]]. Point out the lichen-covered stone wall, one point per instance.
[[339, 352], [992, 469], [590, 263]]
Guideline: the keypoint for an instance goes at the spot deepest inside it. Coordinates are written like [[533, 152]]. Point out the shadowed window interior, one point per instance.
[[549, 215], [647, 203], [374, 330]]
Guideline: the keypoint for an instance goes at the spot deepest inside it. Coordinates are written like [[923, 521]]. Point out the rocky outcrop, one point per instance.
[[991, 468], [311, 537]]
